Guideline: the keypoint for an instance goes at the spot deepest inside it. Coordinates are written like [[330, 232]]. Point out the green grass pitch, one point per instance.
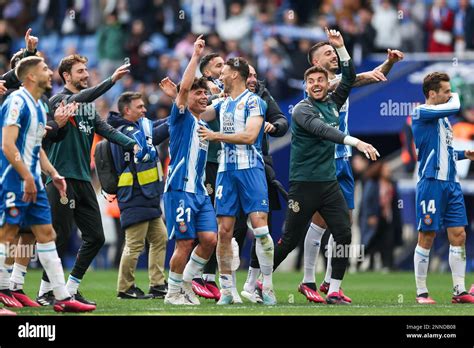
[[372, 294]]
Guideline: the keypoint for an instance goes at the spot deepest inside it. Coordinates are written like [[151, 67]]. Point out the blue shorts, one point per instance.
[[244, 189], [14, 211], [346, 179], [439, 204], [187, 214]]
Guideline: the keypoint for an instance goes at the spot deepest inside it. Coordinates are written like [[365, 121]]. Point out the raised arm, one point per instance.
[[348, 72], [431, 112], [189, 74]]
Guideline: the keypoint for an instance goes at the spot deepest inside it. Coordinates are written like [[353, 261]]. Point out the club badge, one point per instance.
[[64, 200], [428, 220]]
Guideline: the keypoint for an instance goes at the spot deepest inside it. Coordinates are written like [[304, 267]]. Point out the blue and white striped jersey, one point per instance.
[[341, 149], [434, 140], [188, 153], [233, 116], [20, 109]]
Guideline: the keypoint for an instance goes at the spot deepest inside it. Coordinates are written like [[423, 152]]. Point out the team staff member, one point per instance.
[[313, 183], [72, 159], [138, 194]]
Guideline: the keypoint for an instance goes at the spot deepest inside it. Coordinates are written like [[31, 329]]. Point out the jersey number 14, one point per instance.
[[431, 207]]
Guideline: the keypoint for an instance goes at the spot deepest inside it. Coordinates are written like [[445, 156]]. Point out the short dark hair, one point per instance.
[[315, 69], [206, 60], [16, 58], [314, 48], [432, 82], [24, 66], [200, 82], [240, 65], [65, 65], [126, 98]]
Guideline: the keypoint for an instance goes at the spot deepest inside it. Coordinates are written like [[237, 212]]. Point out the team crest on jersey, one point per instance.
[[209, 189], [252, 104], [294, 206], [14, 212], [182, 227], [240, 106], [428, 220]]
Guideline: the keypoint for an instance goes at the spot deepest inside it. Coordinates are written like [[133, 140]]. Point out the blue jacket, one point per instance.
[[140, 184]]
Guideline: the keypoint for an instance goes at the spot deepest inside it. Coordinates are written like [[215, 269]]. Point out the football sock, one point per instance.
[[194, 266], [17, 278], [174, 282], [457, 262], [421, 261], [327, 277], [49, 258], [312, 243]]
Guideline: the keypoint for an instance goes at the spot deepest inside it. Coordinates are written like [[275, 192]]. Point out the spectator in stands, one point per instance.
[[5, 41], [412, 20], [440, 25], [133, 48], [464, 27], [380, 219], [206, 15], [110, 45], [387, 25], [365, 31], [237, 19]]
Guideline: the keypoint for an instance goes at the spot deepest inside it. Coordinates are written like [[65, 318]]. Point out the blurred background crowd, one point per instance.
[[156, 37]]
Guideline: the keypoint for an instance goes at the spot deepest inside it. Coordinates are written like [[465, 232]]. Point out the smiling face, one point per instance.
[[326, 57], [317, 85], [44, 76], [252, 79], [79, 76], [197, 100], [227, 78], [135, 110]]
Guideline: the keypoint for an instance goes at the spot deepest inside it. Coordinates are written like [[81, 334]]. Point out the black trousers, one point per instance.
[[306, 198], [83, 209]]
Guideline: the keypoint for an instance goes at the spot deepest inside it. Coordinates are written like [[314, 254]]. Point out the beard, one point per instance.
[[78, 85], [45, 86]]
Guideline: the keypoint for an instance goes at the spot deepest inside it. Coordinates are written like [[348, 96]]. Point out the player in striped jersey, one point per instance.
[[241, 182], [23, 198], [325, 55], [439, 199], [188, 209]]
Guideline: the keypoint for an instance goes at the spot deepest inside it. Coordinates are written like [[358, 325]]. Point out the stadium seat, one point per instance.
[[69, 41], [49, 44]]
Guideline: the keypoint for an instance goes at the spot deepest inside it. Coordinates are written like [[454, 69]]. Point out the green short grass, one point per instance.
[[372, 294]]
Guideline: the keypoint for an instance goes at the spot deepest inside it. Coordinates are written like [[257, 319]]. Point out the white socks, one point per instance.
[[264, 249], [327, 277], [334, 286], [226, 282], [49, 258], [421, 261], [44, 287], [17, 278], [174, 282], [4, 274], [73, 284], [208, 277], [251, 281], [193, 267], [457, 262], [312, 243]]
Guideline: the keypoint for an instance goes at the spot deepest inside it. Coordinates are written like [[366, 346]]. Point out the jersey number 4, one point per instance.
[[431, 207]]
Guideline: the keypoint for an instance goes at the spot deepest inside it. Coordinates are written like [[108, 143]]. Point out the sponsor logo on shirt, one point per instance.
[[228, 123], [85, 127]]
